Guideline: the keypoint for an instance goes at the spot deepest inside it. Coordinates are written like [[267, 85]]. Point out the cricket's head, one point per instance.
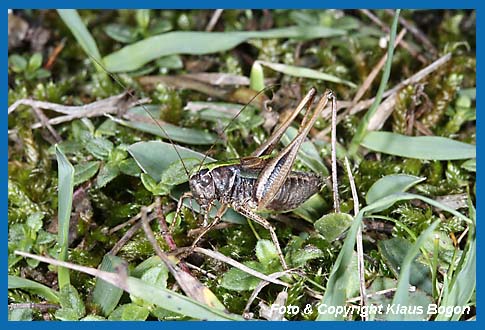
[[202, 187]]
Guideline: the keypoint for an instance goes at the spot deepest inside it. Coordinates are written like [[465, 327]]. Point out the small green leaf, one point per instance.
[[170, 62], [153, 186], [157, 275], [121, 33], [107, 173], [72, 307], [34, 221], [159, 27], [17, 63], [108, 127], [266, 251], [44, 237], [300, 257], [129, 167], [42, 73], [85, 171], [100, 147], [35, 62], [129, 312], [92, 317], [143, 18], [420, 147], [175, 133], [333, 225], [470, 165], [20, 314], [117, 155], [237, 280], [469, 92]]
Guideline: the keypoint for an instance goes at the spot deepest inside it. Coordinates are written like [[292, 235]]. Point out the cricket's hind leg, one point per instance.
[[263, 222]]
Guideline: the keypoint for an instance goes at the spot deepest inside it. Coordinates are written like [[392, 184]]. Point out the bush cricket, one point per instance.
[[260, 183]]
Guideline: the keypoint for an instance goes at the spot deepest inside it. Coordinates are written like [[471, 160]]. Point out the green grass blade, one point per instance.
[[391, 184], [302, 72], [105, 294], [15, 282], [73, 21], [401, 296], [362, 129], [134, 56], [66, 186], [420, 147], [175, 133]]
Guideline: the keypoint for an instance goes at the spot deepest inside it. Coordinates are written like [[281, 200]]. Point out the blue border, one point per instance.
[[254, 4], [191, 4]]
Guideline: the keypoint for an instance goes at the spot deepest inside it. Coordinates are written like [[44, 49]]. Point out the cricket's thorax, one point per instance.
[[235, 185]]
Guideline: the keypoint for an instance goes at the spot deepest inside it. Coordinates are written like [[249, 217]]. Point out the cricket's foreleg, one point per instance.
[[216, 220], [263, 222], [180, 203]]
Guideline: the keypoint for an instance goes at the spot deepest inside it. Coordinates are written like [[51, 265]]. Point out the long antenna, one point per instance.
[[115, 78], [219, 136]]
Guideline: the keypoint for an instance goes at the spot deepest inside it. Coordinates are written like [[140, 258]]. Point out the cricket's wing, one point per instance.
[[274, 174]]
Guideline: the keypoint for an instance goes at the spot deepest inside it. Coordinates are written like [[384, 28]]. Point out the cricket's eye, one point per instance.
[[205, 180]]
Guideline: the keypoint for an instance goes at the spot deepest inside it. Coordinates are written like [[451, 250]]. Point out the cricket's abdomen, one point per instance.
[[236, 186], [298, 187]]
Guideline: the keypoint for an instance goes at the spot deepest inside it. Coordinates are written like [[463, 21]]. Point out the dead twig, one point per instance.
[[260, 287], [40, 306], [45, 122], [128, 235], [360, 247], [234, 263], [117, 104], [213, 21], [55, 53], [131, 221], [336, 203]]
